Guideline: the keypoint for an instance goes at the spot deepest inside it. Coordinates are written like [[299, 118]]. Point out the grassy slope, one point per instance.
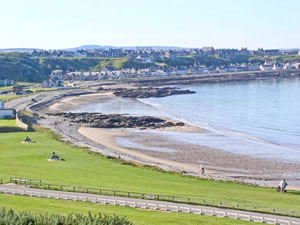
[[139, 217], [6, 88], [5, 98], [8, 123], [88, 169]]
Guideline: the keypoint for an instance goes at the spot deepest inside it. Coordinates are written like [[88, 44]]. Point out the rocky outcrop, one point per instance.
[[150, 92], [100, 120]]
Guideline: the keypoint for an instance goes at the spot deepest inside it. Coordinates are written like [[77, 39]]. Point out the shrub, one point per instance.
[[9, 217]]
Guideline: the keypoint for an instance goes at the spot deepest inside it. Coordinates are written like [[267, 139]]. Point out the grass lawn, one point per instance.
[[83, 168], [139, 217], [8, 97], [8, 123], [39, 89], [6, 88]]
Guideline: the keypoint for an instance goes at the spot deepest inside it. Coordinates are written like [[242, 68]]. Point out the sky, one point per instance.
[[55, 24]]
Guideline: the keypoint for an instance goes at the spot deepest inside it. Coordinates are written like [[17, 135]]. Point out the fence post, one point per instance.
[[87, 190], [100, 192], [114, 193], [74, 189], [61, 187], [128, 194]]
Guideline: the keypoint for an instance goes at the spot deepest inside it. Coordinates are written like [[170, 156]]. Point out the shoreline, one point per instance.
[[214, 171], [217, 162]]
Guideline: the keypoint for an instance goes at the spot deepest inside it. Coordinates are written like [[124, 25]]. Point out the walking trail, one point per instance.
[[149, 204]]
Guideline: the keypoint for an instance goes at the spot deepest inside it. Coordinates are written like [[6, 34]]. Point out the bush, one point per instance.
[[9, 217]]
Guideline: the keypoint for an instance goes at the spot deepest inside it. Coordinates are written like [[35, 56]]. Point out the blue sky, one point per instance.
[[188, 23]]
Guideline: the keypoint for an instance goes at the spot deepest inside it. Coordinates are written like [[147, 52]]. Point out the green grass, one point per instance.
[[6, 88], [139, 217], [7, 123], [27, 83], [83, 168], [6, 98], [118, 63], [40, 89]]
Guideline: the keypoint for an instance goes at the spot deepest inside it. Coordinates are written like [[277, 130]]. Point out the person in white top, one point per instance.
[[282, 186]]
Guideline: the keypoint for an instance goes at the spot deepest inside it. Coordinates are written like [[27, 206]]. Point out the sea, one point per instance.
[[259, 118]]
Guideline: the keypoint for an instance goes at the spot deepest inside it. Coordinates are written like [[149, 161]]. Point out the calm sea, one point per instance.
[[257, 118]]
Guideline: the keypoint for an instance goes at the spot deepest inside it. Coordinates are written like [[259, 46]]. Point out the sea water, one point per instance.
[[259, 118]]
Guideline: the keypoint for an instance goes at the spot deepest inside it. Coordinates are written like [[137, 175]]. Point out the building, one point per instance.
[[208, 50], [17, 89], [6, 83], [272, 52], [7, 114]]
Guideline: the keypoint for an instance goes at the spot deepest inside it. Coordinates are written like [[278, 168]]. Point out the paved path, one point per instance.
[[149, 204]]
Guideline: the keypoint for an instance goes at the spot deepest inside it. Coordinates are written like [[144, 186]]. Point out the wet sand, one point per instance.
[[186, 156]]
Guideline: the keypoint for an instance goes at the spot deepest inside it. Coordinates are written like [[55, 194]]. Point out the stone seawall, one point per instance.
[[217, 77]]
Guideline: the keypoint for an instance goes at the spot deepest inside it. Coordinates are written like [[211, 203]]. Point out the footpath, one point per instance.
[[149, 204]]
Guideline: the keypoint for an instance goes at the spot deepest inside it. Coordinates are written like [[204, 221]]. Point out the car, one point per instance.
[[4, 92]]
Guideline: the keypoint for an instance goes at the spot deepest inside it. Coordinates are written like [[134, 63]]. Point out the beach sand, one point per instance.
[[186, 156], [189, 157], [71, 103], [106, 137]]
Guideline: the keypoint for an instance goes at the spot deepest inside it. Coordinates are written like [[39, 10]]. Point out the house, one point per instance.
[[272, 52], [57, 73], [45, 84], [17, 89], [208, 50], [7, 114], [296, 66], [266, 67], [6, 82]]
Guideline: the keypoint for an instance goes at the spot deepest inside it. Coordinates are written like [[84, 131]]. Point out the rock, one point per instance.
[[150, 92], [100, 120]]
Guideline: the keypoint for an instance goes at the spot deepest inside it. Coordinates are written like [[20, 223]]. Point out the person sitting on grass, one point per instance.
[[54, 156], [27, 139]]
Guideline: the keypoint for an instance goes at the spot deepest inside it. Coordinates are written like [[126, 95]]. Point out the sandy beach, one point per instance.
[[183, 156], [74, 102]]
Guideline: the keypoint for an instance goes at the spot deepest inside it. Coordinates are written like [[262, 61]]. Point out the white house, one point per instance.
[[7, 114]]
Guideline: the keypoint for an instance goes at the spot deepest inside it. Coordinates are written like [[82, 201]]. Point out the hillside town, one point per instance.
[[57, 77], [148, 54]]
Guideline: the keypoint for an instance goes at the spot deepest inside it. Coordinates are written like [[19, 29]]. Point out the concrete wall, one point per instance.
[[20, 123], [7, 113]]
